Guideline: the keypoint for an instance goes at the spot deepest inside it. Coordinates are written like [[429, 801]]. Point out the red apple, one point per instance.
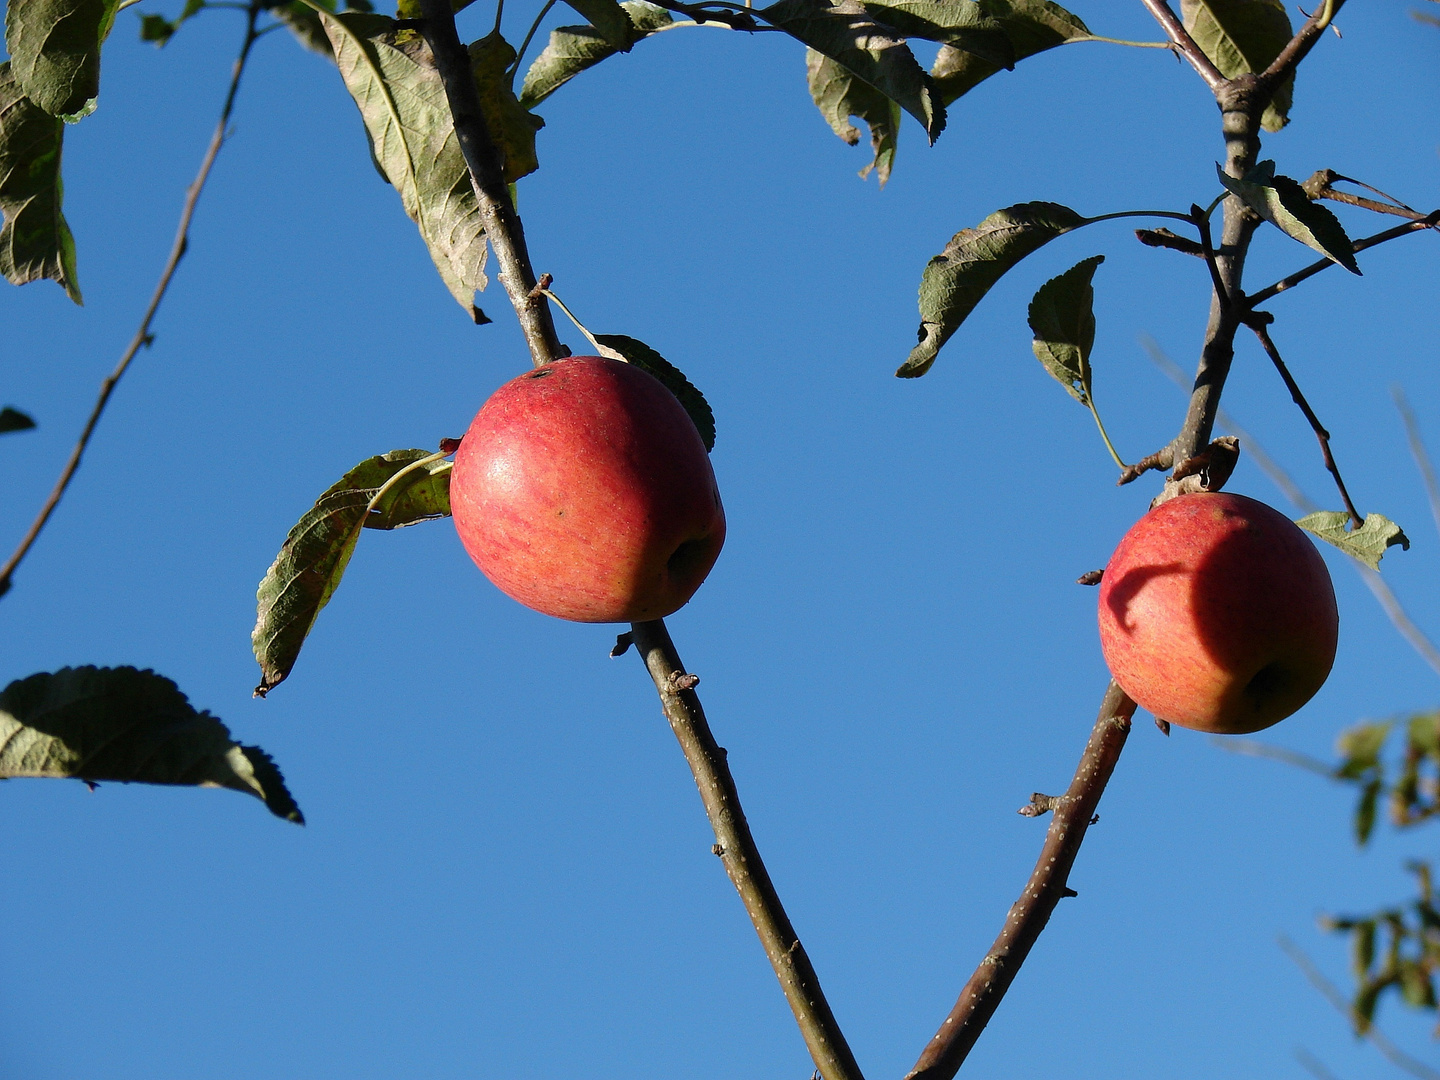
[[1217, 613], [584, 491]]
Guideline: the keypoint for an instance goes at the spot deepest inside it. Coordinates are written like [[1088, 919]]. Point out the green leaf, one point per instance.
[[54, 48], [1365, 812], [1359, 748], [609, 20], [14, 420], [973, 261], [1367, 543], [572, 49], [848, 35], [1415, 986], [35, 242], [1283, 202], [1242, 36], [512, 126], [964, 24], [1362, 947], [1032, 26], [160, 30], [305, 24], [839, 95], [412, 139], [100, 724], [1424, 733], [1062, 318], [317, 550], [647, 359]]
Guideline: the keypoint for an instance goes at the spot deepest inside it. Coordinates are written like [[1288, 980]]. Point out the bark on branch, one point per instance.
[[1048, 885], [737, 850]]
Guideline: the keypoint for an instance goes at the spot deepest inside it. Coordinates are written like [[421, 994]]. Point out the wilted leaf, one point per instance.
[[131, 726], [1062, 318], [572, 49], [1367, 543], [54, 48], [1241, 36], [1283, 202], [609, 20], [965, 24], [839, 95], [317, 550], [647, 359], [412, 139], [14, 420], [1032, 26], [973, 261], [848, 35], [35, 242], [512, 126]]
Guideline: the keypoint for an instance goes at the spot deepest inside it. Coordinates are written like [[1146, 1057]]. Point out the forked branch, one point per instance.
[[143, 337], [1184, 44]]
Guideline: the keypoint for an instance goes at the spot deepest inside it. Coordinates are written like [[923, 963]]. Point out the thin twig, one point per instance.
[[1254, 748], [487, 175], [1207, 249], [1313, 1065], [1302, 502], [1417, 450], [1263, 333], [737, 850], [1048, 884], [1331, 993], [1429, 221], [143, 337], [1283, 66], [1184, 43]]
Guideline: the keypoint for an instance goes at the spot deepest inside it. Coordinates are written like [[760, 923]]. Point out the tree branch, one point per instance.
[[1417, 451], [487, 174], [1429, 221], [737, 850], [143, 337], [1184, 44], [1047, 886], [1284, 65], [1262, 332]]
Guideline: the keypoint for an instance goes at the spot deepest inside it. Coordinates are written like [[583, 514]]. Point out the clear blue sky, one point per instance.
[[506, 870]]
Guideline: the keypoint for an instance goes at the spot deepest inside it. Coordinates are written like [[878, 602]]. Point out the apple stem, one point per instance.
[[544, 290], [736, 848]]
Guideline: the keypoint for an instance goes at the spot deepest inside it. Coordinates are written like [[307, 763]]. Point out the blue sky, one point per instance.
[[506, 870]]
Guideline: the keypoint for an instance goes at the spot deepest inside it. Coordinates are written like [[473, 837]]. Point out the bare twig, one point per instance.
[[1283, 66], [143, 337], [1207, 249], [1184, 43], [1048, 884], [736, 848], [1430, 220], [1417, 450], [487, 174], [1164, 238], [1161, 459], [1313, 1065], [1254, 748], [1331, 993], [1263, 333], [1302, 502]]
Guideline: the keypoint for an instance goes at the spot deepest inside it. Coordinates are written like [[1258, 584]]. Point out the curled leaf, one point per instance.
[[54, 48], [973, 261], [839, 95], [572, 49], [1367, 543], [1062, 318], [120, 724], [1283, 202], [317, 550]]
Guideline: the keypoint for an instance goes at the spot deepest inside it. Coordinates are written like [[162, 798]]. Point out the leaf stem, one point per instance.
[[143, 337], [1140, 213], [499, 13], [529, 36], [1170, 45], [1101, 425], [543, 289], [385, 487]]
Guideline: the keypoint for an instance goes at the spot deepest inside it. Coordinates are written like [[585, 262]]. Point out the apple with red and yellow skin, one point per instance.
[[1217, 614], [583, 490]]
